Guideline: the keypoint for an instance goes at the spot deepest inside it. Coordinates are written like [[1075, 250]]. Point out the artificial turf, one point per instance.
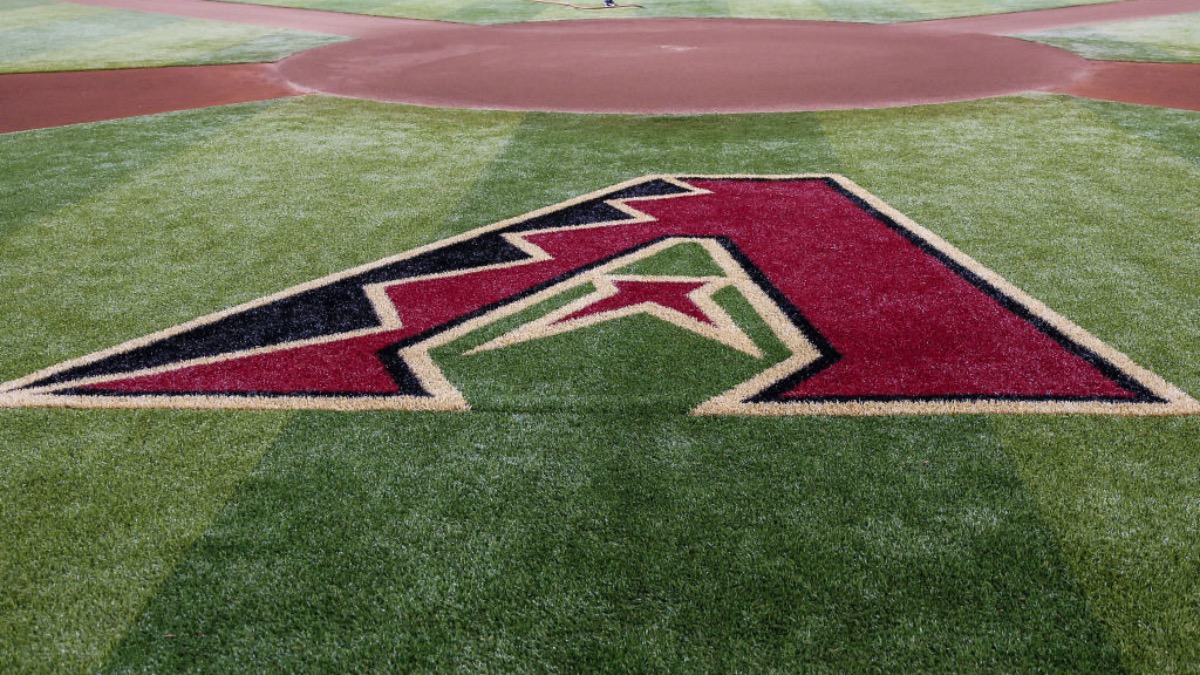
[[1166, 39], [507, 11], [42, 35], [569, 524]]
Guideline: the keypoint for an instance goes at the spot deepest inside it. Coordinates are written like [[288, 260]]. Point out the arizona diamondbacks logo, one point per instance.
[[866, 312]]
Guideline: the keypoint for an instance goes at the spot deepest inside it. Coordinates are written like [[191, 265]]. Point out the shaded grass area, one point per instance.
[[607, 536], [303, 190], [1022, 192], [1166, 39], [1172, 130], [568, 542], [50, 170], [42, 35], [1094, 213], [1121, 495], [98, 509], [134, 235], [508, 11]]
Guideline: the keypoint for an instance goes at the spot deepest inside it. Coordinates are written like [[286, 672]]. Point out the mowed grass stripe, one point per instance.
[[313, 186], [1167, 39], [1108, 200], [716, 564], [98, 508], [551, 158], [567, 542], [1121, 498], [24, 13], [811, 10], [26, 44], [484, 12], [1100, 230], [1118, 494], [75, 267], [308, 188], [481, 11], [921, 161], [44, 37], [262, 47], [183, 43], [37, 183], [1172, 130]]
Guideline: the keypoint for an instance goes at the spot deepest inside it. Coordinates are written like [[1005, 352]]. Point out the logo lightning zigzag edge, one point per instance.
[[1158, 397]]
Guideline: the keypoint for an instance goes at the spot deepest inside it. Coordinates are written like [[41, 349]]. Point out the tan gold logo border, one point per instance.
[[736, 401]]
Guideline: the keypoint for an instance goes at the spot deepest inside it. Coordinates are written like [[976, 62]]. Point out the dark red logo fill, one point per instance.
[[879, 315]]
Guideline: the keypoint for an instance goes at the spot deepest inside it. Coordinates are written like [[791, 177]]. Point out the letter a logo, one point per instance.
[[865, 312]]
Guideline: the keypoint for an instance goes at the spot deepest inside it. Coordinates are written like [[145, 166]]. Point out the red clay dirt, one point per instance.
[[620, 65], [38, 100], [680, 66], [1166, 85]]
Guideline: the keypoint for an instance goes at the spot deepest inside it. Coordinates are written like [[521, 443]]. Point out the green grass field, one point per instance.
[[1168, 39], [578, 519], [507, 11], [41, 36], [589, 526]]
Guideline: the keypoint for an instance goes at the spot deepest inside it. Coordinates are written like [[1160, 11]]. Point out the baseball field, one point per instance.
[[433, 348]]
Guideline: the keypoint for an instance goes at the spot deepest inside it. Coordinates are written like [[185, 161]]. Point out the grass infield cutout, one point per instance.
[[877, 314]]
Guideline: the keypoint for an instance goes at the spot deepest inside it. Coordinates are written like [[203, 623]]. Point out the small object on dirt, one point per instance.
[[608, 4]]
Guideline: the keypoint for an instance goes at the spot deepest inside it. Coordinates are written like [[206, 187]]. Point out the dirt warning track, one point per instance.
[[620, 65]]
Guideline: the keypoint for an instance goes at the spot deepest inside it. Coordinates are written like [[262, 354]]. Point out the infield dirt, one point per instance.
[[675, 66]]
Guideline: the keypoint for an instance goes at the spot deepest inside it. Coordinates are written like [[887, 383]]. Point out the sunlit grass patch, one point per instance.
[[43, 35], [1165, 39], [508, 11]]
